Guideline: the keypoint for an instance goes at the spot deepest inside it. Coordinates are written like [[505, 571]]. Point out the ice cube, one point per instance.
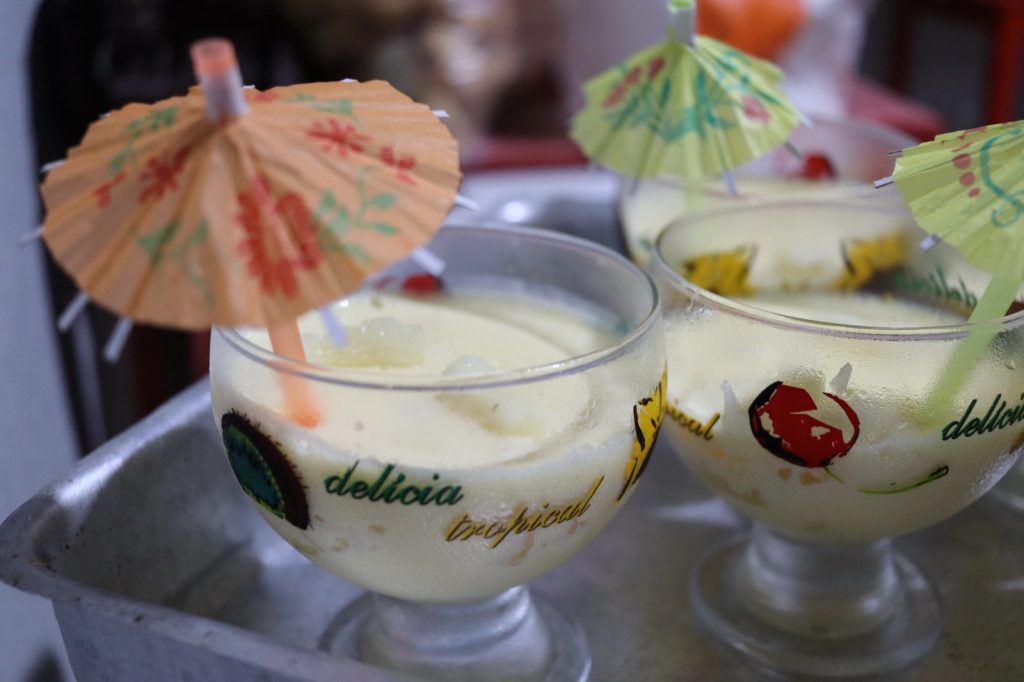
[[499, 410]]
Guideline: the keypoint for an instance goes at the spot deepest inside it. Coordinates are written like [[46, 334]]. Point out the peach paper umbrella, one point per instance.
[[231, 206]]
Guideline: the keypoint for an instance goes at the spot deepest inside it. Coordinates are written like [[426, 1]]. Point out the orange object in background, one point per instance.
[[759, 27]]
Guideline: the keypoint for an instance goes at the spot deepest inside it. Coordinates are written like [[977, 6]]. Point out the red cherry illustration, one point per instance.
[[422, 284], [785, 421], [817, 167]]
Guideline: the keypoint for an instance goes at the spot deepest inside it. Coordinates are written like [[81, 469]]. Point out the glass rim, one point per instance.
[[780, 320], [370, 379], [708, 186]]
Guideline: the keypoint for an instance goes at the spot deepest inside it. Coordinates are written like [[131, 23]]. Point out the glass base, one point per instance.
[[831, 612], [512, 636]]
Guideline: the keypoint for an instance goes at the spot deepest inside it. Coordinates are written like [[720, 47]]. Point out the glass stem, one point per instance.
[[458, 641], [829, 591]]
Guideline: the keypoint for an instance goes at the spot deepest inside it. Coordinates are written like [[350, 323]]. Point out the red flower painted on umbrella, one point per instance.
[[655, 66], [754, 110], [103, 192], [401, 165], [615, 96], [338, 138], [161, 174], [280, 238]]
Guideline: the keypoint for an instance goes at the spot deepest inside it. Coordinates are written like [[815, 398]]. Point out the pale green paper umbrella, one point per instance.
[[967, 188], [688, 107]]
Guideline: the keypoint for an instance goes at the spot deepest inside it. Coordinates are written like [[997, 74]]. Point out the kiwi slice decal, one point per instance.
[[263, 470]]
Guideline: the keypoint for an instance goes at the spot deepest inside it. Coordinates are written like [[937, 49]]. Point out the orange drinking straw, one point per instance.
[[216, 68], [300, 404]]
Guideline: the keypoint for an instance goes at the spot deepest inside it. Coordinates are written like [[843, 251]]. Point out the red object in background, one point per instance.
[[521, 152], [422, 284], [871, 102], [783, 419], [1004, 20], [817, 167]]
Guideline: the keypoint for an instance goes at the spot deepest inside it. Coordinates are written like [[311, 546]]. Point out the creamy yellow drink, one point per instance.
[[826, 440], [444, 468], [804, 361]]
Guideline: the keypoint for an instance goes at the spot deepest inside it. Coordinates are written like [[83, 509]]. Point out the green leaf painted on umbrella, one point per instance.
[[383, 200], [299, 97], [117, 164], [155, 244], [196, 239], [327, 204], [356, 251], [383, 228], [335, 220], [337, 223], [342, 107], [161, 117]]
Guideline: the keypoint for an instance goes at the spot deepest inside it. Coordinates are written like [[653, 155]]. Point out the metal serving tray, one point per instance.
[[161, 571]]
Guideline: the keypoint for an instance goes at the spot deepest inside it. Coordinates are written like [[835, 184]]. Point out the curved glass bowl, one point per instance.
[[438, 491], [857, 151], [814, 385]]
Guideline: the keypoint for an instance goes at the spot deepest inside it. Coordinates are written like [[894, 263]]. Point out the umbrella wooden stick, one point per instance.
[[216, 68]]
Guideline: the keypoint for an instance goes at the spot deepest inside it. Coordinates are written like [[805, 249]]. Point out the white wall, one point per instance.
[[36, 442]]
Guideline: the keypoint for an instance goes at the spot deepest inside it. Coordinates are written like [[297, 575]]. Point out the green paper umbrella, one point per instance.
[[967, 188], [688, 107]]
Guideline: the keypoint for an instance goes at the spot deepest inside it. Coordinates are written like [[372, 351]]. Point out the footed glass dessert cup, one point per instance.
[[475, 431], [813, 385], [840, 161]]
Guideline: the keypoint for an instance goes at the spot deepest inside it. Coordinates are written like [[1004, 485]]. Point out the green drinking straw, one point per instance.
[[967, 189], [992, 305]]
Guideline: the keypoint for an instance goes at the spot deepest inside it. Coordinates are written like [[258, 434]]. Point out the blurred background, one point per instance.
[[509, 73]]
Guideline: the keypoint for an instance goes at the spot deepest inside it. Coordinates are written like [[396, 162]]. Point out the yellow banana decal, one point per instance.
[[864, 258], [724, 273], [647, 417]]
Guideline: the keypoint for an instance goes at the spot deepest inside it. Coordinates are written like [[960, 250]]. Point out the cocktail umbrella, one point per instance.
[[239, 207], [688, 107], [967, 189]]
